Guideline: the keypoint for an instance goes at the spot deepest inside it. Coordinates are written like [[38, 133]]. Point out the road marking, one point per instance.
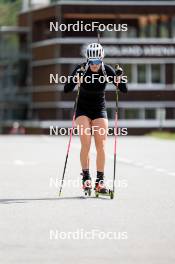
[[171, 173], [18, 162], [139, 164], [160, 170], [133, 163], [148, 167], [23, 163]]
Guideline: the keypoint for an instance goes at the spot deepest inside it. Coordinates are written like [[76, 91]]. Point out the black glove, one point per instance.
[[81, 70], [118, 70]]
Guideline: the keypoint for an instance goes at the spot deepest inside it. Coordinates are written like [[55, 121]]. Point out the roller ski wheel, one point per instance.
[[86, 185], [87, 192], [111, 194], [96, 194], [101, 190]]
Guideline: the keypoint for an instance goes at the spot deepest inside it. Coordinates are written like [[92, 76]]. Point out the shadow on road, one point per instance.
[[25, 200]]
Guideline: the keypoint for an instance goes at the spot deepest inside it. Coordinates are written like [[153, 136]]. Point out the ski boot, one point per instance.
[[86, 183], [100, 188]]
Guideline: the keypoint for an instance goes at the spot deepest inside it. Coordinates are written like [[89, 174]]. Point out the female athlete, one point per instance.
[[91, 114]]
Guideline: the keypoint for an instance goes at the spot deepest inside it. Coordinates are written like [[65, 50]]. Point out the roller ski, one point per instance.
[[86, 183], [101, 190]]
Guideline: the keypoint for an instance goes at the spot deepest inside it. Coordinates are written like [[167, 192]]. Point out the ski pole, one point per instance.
[[98, 35], [115, 138], [119, 72], [73, 125]]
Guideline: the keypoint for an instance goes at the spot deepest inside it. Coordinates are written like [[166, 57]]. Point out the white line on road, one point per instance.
[[133, 163]]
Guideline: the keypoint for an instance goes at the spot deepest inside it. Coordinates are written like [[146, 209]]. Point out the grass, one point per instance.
[[163, 135]]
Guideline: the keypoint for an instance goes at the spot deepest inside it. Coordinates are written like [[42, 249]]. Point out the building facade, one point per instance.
[[146, 51]]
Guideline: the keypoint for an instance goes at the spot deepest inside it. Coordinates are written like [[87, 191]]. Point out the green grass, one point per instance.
[[163, 135]]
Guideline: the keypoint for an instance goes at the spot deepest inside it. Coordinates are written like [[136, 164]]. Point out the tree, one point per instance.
[[8, 12]]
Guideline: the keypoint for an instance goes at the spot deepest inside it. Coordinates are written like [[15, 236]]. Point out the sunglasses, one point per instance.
[[92, 62]]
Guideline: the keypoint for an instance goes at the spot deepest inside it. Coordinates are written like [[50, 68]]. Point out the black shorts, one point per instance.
[[92, 115]]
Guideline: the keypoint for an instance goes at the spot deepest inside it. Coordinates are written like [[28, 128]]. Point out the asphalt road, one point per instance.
[[137, 227]]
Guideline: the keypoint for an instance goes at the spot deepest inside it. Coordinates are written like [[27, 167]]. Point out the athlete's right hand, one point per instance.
[[81, 70], [80, 73], [118, 70]]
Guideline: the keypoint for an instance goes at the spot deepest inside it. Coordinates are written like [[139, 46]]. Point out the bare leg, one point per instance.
[[85, 137], [100, 136]]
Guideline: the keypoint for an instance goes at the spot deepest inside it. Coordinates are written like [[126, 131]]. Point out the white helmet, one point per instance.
[[94, 51]]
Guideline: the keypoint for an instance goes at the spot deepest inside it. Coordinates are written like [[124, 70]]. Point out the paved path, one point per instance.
[[137, 227]]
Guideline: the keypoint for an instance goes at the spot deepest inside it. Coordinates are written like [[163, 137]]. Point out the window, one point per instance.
[[132, 114], [141, 73], [137, 113], [41, 30], [156, 73], [173, 27], [164, 27], [109, 34], [174, 73], [132, 32], [150, 114], [148, 73], [111, 113], [128, 72], [170, 113]]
